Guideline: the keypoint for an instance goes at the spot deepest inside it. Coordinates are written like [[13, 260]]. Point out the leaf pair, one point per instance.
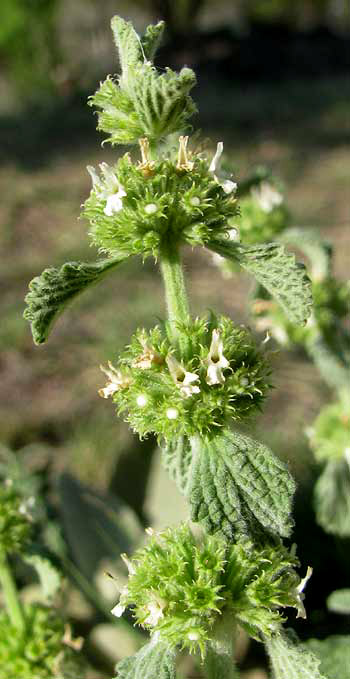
[[235, 485], [275, 269]]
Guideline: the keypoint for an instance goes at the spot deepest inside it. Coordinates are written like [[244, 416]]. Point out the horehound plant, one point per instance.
[[190, 381]]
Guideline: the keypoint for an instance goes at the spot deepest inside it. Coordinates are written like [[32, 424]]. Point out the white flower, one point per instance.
[[108, 188], [142, 400], [227, 185], [300, 595], [129, 564], [172, 413], [116, 381], [147, 358], [155, 609], [182, 378], [182, 159], [216, 360], [120, 607], [267, 196]]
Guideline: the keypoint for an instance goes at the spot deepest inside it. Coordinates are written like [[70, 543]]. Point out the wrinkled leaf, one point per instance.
[[177, 458], [234, 484], [278, 272], [314, 247], [152, 38], [127, 42], [50, 292], [334, 653], [332, 498], [155, 660], [290, 659]]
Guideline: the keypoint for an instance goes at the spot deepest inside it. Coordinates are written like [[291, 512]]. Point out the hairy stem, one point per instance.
[[219, 662], [175, 291], [13, 604]]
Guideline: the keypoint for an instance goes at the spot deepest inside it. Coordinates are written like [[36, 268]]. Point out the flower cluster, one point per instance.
[[331, 304], [330, 433], [15, 525], [223, 376], [263, 215], [180, 584], [136, 208], [45, 651]]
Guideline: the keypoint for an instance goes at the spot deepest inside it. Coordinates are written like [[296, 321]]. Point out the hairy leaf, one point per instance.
[[152, 38], [127, 42], [155, 660], [237, 485], [334, 653], [332, 498], [339, 602], [275, 269], [177, 459], [317, 250], [50, 292], [290, 659]]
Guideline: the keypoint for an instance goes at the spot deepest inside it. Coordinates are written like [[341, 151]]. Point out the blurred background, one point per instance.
[[274, 85]]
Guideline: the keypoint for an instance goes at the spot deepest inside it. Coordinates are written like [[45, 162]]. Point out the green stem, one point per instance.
[[219, 662], [13, 604], [175, 290]]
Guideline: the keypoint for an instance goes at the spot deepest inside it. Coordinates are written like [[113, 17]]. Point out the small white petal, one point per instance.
[[114, 204], [118, 610], [228, 186], [142, 400], [215, 161], [195, 201], [233, 234], [129, 565], [151, 209], [172, 413], [193, 636]]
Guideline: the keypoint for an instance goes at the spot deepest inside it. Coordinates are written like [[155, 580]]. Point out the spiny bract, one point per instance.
[[39, 652], [331, 303], [180, 584], [222, 377], [138, 208], [15, 526]]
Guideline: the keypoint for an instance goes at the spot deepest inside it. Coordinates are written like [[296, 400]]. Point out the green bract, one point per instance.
[[330, 433], [222, 377], [180, 585], [263, 215], [137, 209], [142, 102], [15, 524], [39, 653], [331, 303]]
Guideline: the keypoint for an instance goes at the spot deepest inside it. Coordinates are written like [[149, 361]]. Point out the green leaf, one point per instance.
[[155, 660], [98, 527], [49, 576], [177, 459], [278, 272], [311, 244], [332, 498], [152, 38], [332, 364], [290, 659], [236, 485], [162, 102], [50, 292], [334, 653], [127, 42], [339, 602]]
